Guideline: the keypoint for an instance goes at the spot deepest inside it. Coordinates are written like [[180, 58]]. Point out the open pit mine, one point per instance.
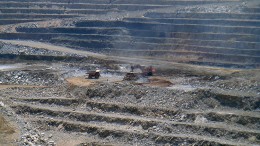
[[129, 73]]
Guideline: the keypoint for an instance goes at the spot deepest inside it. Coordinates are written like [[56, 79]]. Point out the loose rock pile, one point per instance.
[[35, 138], [29, 78], [6, 48], [228, 8]]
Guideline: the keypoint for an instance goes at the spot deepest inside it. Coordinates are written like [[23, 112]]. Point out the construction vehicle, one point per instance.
[[148, 71], [145, 71], [131, 76], [94, 74]]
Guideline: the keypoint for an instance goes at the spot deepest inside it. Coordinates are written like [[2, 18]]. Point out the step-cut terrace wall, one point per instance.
[[215, 38]]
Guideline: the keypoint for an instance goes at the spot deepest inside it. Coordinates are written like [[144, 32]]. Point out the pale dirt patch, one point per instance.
[[159, 82], [80, 81], [83, 81], [9, 132]]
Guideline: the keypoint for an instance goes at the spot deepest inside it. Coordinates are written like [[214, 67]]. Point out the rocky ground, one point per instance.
[[226, 7], [49, 101], [46, 98]]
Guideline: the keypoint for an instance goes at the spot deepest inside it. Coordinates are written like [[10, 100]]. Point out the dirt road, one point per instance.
[[40, 45], [156, 63]]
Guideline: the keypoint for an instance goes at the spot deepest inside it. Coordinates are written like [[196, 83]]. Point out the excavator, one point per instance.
[[145, 71]]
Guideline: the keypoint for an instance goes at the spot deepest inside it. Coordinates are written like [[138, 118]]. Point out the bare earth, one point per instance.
[[61, 105]]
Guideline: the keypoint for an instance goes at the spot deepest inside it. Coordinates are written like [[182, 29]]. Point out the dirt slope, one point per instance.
[[157, 63]]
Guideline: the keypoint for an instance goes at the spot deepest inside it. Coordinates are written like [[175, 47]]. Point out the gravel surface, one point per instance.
[[238, 91], [6, 48]]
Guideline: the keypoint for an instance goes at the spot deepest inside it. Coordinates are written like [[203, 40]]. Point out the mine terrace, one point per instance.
[[129, 72]]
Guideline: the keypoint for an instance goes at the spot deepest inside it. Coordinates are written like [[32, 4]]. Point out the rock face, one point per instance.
[[124, 113], [182, 105], [217, 33], [193, 109]]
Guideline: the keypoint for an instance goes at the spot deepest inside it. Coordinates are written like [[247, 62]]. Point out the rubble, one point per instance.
[[2, 104], [182, 105], [228, 8], [29, 78], [200, 119], [6, 48], [34, 138]]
